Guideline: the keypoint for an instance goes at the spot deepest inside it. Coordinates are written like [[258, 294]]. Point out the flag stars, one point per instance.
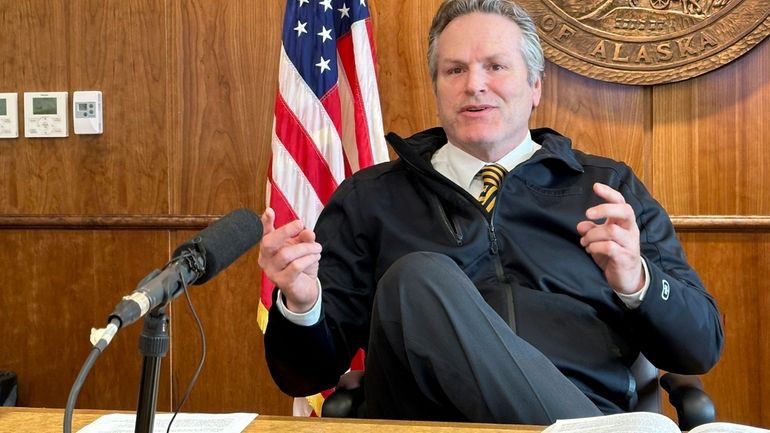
[[300, 28], [344, 12], [323, 65], [302, 2], [325, 34], [363, 3], [327, 4]]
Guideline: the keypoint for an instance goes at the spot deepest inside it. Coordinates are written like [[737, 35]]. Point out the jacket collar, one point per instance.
[[418, 149]]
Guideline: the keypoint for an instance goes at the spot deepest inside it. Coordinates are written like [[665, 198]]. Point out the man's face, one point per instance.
[[483, 97]]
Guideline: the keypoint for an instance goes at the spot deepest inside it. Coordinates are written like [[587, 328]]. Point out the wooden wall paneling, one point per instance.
[[35, 55], [711, 137], [605, 119], [734, 268], [401, 36], [225, 73], [119, 47], [226, 78], [64, 283], [34, 59], [189, 89], [116, 47], [122, 260], [235, 377]]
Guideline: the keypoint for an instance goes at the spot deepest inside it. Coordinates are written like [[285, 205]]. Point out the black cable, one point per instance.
[[194, 379], [105, 340], [99, 346]]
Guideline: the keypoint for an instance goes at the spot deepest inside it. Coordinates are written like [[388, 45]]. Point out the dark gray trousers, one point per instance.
[[438, 351]]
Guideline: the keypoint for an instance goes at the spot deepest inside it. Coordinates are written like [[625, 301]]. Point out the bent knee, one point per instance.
[[419, 272]]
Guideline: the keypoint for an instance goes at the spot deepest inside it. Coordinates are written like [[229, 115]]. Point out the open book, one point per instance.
[[641, 422]]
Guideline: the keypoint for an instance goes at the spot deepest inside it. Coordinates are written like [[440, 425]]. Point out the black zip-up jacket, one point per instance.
[[525, 259]]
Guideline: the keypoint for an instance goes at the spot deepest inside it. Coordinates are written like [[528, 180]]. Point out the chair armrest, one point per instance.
[[693, 406], [344, 403], [347, 400]]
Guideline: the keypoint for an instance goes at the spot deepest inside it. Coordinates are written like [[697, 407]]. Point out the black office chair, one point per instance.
[[9, 388], [693, 406], [685, 393]]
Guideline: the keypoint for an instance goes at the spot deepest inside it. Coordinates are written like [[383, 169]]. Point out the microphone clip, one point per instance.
[[194, 255]]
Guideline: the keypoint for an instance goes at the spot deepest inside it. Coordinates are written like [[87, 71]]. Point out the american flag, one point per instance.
[[327, 121]]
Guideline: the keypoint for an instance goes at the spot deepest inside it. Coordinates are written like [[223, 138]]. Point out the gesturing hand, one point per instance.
[[289, 257], [614, 244]]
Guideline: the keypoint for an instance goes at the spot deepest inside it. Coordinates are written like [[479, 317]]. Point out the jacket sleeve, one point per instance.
[[300, 358], [304, 360], [677, 326]]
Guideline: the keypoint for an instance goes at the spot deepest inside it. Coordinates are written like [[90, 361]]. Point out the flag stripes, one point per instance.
[[327, 122]]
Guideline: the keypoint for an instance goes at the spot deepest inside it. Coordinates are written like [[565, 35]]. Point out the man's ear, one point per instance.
[[537, 92]]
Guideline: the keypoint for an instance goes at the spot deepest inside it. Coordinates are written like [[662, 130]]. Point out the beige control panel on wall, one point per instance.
[[45, 114]]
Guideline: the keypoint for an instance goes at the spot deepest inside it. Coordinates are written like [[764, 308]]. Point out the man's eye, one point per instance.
[[453, 71], [497, 67]]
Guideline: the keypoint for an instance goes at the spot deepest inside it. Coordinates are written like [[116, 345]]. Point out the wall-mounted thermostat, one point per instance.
[[87, 112], [45, 114], [9, 115]]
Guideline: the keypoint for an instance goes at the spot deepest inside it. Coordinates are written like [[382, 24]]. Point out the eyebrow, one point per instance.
[[497, 57]]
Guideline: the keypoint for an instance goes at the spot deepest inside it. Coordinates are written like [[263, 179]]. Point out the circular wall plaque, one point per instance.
[[648, 41]]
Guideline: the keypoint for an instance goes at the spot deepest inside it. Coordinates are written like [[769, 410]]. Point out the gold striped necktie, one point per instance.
[[492, 175]]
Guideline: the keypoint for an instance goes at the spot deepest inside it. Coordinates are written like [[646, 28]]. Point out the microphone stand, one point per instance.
[[154, 340], [153, 345]]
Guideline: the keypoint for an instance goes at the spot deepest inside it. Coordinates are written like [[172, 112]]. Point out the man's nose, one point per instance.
[[476, 81]]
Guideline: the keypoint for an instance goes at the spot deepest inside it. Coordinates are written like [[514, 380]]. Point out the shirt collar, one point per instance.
[[461, 167]]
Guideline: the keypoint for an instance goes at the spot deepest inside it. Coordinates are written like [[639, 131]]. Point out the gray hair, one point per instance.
[[531, 50]]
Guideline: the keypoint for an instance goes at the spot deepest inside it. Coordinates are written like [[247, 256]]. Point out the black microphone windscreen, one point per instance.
[[225, 240]]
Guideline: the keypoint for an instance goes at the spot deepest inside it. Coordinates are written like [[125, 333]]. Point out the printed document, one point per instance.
[[183, 423]]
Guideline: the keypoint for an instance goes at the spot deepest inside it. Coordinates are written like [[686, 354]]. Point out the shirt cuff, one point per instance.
[[634, 300], [308, 318]]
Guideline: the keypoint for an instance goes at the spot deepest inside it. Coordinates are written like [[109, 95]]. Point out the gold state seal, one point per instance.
[[648, 41]]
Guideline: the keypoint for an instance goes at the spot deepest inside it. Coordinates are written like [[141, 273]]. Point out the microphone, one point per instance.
[[194, 262]]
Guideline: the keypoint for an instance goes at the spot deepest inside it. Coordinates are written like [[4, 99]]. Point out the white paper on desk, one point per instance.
[[184, 423], [636, 422]]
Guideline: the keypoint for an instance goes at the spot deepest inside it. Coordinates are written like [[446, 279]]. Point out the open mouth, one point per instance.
[[476, 108]]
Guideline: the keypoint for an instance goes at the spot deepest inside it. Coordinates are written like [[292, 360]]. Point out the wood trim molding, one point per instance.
[[106, 222], [721, 223], [683, 223]]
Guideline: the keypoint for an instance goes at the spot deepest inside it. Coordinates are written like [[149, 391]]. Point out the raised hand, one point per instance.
[[614, 244], [289, 256]]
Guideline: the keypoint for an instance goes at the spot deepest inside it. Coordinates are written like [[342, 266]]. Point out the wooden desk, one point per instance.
[[34, 420]]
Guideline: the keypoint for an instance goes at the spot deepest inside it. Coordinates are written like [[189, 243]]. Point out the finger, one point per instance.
[[289, 278], [615, 207], [607, 193], [302, 265], [268, 219], [282, 266], [291, 253], [280, 237], [603, 253], [614, 212], [306, 235], [599, 248], [608, 233], [584, 226]]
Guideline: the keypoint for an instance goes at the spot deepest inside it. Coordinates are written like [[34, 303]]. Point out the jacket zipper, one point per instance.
[[453, 229], [450, 226], [494, 250], [492, 239]]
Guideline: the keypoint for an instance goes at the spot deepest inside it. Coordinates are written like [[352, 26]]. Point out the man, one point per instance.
[[527, 306]]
